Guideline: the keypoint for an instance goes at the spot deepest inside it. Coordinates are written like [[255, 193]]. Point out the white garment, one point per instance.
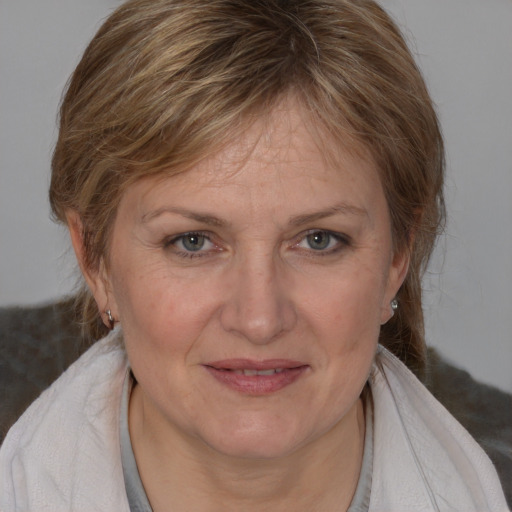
[[64, 452]]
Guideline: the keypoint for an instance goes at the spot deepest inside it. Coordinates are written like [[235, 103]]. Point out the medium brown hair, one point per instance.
[[164, 83]]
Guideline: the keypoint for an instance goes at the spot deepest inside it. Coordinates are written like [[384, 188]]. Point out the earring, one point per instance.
[[394, 306], [110, 319]]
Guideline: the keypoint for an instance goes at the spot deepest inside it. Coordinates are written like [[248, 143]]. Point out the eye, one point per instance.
[[190, 245], [192, 242], [319, 240], [322, 241]]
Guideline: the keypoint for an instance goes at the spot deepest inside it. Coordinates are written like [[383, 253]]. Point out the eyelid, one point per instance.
[[342, 239], [170, 242], [174, 238]]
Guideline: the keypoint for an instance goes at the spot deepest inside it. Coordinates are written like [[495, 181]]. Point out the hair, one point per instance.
[[165, 83]]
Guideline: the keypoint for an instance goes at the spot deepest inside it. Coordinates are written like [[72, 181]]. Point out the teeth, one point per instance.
[[265, 372], [252, 373]]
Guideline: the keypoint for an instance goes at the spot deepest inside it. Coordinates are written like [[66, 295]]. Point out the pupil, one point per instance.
[[319, 240], [193, 242]]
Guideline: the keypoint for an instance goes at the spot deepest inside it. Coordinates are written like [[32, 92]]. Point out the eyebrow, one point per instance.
[[204, 218], [343, 208], [299, 220]]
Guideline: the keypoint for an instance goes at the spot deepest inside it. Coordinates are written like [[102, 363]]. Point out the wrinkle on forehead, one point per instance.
[[270, 140], [286, 138]]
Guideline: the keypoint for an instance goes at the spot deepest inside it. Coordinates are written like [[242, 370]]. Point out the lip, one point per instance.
[[229, 373]]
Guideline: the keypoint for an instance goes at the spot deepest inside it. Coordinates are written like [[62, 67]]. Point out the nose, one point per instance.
[[259, 306]]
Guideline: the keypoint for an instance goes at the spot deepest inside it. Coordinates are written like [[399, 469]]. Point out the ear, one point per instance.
[[97, 279], [397, 274]]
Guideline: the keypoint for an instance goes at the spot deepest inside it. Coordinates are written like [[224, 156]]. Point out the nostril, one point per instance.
[[259, 325]]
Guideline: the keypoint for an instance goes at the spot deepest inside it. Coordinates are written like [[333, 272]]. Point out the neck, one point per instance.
[[320, 476]]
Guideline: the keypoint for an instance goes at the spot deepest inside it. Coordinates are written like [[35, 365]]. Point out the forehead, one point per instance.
[[283, 163], [287, 135]]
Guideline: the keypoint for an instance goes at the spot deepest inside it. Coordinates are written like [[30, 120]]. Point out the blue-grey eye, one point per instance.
[[319, 240], [193, 242]]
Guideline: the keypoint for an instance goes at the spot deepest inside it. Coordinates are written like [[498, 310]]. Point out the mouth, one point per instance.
[[256, 377], [252, 373]]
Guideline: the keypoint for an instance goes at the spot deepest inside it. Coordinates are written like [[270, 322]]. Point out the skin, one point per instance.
[[296, 263]]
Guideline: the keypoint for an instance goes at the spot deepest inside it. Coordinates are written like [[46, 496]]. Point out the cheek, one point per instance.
[[140, 291], [348, 301], [161, 312], [350, 318]]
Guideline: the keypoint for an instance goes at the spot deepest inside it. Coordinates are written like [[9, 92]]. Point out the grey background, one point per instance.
[[465, 50]]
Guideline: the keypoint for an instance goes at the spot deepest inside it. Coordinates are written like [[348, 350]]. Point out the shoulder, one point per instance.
[[66, 444], [423, 458]]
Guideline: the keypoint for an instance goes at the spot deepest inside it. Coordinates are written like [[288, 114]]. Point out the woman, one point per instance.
[[252, 190]]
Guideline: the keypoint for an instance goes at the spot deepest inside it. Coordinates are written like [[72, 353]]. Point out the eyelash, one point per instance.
[[185, 254], [341, 241]]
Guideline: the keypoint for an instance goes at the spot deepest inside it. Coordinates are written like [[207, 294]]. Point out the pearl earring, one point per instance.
[[110, 319]]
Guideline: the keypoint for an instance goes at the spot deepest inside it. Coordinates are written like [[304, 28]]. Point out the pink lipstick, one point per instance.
[[256, 377]]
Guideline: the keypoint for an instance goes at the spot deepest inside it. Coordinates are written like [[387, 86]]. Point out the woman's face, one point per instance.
[[251, 290]]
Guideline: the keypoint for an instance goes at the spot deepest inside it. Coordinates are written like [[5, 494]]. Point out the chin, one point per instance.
[[255, 441], [255, 449]]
